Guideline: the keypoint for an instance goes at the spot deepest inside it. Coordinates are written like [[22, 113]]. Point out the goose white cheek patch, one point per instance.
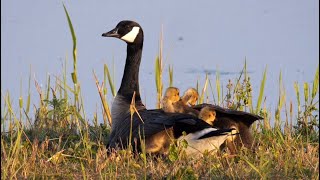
[[131, 36]]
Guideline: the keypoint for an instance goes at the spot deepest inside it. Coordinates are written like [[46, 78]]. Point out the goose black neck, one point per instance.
[[130, 79]]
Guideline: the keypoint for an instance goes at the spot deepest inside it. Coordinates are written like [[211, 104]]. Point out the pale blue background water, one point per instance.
[[280, 34]]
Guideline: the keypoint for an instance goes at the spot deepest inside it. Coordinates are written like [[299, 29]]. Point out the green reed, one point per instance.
[[159, 71]]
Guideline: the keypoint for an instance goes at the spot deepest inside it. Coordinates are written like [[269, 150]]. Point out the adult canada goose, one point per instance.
[[238, 120], [152, 122], [171, 102]]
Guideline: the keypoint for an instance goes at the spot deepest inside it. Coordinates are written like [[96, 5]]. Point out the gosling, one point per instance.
[[171, 102], [208, 114], [190, 97]]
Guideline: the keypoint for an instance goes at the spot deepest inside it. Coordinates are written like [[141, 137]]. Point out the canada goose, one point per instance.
[[208, 114], [152, 122], [190, 97], [233, 119], [171, 102]]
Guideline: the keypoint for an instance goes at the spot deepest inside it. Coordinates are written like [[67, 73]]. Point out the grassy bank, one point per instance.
[[61, 142]]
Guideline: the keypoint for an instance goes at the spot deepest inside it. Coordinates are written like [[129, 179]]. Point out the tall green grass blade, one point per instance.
[[104, 102], [64, 82], [81, 104], [306, 92], [158, 78], [157, 73], [48, 90], [245, 69], [296, 88], [74, 74], [212, 91], [105, 90], [245, 92], [201, 99], [218, 87], [74, 77], [248, 87], [83, 170], [280, 135], [28, 103], [158, 70], [262, 85], [29, 93], [20, 100], [170, 76], [281, 100], [106, 71], [238, 80], [253, 167], [74, 40], [280, 104], [197, 86], [113, 72], [315, 86]]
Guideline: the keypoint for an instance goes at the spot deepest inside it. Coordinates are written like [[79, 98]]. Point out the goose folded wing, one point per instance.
[[157, 120]]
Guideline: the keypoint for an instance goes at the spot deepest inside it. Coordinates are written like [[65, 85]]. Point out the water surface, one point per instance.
[[199, 38]]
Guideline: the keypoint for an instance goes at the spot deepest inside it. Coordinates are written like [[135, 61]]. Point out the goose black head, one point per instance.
[[128, 31]]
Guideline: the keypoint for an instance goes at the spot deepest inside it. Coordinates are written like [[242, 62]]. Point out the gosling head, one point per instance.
[[128, 31], [172, 93], [190, 96], [208, 114]]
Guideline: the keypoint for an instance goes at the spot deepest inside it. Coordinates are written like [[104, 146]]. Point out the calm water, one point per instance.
[[198, 38]]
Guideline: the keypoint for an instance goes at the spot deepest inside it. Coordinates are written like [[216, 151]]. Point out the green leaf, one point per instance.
[[157, 74], [74, 39], [218, 86], [170, 76], [315, 83], [173, 153], [74, 78], [262, 85], [296, 88], [201, 99], [253, 167], [306, 92], [106, 71]]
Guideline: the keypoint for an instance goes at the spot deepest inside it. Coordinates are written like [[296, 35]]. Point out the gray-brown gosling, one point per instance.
[[171, 96], [171, 102], [190, 97], [208, 114]]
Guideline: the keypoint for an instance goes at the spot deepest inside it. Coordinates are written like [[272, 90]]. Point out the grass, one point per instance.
[[60, 143]]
